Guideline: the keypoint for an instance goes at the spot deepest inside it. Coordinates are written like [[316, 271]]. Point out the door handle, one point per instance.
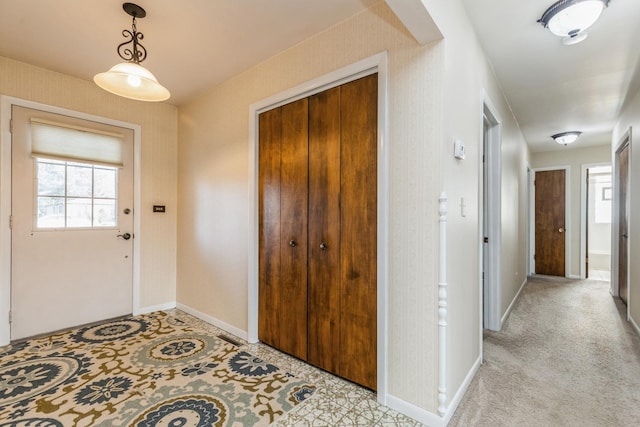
[[292, 243], [561, 230], [323, 246], [125, 236], [624, 235]]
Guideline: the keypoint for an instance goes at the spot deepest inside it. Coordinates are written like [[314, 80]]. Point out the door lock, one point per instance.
[[125, 236]]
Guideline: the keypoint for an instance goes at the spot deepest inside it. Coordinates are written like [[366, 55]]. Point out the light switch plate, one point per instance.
[[459, 150]]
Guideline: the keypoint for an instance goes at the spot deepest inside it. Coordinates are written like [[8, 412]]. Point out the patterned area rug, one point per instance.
[[154, 370]]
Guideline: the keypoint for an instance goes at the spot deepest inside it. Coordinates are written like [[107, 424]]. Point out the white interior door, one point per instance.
[[72, 211]]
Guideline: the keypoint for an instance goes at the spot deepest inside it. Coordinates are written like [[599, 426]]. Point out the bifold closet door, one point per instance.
[[359, 222], [283, 204]]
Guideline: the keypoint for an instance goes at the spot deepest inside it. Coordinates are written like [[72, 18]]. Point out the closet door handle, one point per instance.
[[292, 243], [323, 246]]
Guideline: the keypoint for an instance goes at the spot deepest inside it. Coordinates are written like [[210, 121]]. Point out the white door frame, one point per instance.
[[6, 102], [567, 217], [615, 224], [583, 213], [373, 64], [491, 298]]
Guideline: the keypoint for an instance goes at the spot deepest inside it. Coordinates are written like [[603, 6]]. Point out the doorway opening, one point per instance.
[[597, 204], [490, 223]]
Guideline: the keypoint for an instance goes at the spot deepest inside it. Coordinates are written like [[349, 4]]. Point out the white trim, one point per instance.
[[159, 307], [574, 276], [513, 303], [567, 217], [6, 102], [531, 223], [429, 418], [415, 412], [634, 324], [376, 63], [442, 307], [583, 214], [492, 295], [213, 321]]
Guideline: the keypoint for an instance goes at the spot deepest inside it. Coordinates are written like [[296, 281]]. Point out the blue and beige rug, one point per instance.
[[159, 369]]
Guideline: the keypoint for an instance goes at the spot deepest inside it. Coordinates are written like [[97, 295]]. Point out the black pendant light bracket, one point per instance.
[[136, 52]]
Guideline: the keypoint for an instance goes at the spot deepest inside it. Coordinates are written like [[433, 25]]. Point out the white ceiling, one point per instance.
[[192, 44], [196, 44], [554, 88]]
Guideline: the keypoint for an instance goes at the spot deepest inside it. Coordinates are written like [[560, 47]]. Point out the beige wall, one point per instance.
[[574, 158], [214, 180], [630, 118], [439, 83], [158, 161]]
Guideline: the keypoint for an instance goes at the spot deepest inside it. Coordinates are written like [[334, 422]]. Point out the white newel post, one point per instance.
[[442, 308]]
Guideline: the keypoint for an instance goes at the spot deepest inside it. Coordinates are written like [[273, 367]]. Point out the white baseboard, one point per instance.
[[574, 276], [151, 309], [457, 398], [635, 325], [513, 303], [410, 410], [429, 418], [214, 321]]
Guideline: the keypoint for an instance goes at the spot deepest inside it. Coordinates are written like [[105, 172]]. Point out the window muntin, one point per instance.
[[72, 195]]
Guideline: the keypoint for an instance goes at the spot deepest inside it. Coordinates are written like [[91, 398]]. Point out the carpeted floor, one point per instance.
[[566, 357], [161, 369]]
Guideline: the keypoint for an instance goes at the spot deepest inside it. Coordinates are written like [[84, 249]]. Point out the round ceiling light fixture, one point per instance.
[[570, 19], [566, 138]]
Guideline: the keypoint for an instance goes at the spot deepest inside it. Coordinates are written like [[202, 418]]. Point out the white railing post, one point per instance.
[[442, 308]]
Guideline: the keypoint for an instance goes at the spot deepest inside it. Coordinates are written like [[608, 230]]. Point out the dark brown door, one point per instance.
[[283, 228], [623, 212], [549, 222], [318, 230]]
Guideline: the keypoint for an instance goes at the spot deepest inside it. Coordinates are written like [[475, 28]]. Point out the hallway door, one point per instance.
[[72, 222], [623, 214], [550, 222]]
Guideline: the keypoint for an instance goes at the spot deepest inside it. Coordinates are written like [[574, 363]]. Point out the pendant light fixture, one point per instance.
[[130, 79], [566, 138], [570, 19]]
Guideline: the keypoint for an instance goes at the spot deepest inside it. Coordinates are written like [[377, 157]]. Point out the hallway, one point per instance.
[[566, 357]]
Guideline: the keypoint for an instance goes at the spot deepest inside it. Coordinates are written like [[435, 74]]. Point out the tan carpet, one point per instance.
[[566, 357]]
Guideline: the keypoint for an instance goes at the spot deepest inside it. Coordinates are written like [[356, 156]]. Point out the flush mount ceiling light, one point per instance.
[[569, 19], [566, 138], [130, 79]]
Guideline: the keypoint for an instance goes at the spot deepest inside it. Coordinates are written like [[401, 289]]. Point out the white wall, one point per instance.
[[630, 118], [469, 77], [158, 168], [574, 157]]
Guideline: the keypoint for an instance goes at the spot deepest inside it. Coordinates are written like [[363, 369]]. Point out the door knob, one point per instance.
[[624, 235], [125, 236], [323, 246], [292, 243], [560, 230]]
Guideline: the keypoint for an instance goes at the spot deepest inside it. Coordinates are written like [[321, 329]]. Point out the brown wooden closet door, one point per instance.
[[270, 134], [324, 230], [283, 266], [359, 118]]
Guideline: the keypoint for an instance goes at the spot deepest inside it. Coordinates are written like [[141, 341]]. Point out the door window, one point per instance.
[[74, 195]]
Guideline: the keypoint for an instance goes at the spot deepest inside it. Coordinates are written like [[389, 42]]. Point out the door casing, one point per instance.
[[374, 64], [615, 229], [6, 102]]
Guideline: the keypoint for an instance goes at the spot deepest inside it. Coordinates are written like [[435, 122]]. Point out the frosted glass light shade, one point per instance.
[[565, 138], [571, 17], [132, 81]]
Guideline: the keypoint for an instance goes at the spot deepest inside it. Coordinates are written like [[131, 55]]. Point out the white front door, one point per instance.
[[71, 261]]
